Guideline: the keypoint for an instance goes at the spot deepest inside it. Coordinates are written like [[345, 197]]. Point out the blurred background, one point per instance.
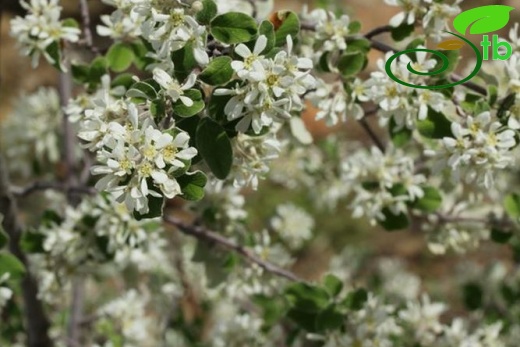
[[334, 230]]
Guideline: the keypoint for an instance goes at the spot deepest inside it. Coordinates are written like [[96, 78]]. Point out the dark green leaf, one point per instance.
[[53, 50], [32, 242], [4, 238], [219, 71], [287, 23], [267, 29], [394, 222], [125, 80], [505, 105], [142, 90], [472, 293], [192, 185], [500, 236], [234, 27], [329, 319], [356, 300], [188, 111], [307, 297], [358, 45], [214, 147], [155, 205], [431, 200], [209, 11], [332, 284], [435, 126], [354, 27], [184, 62], [305, 320], [402, 31], [350, 64]]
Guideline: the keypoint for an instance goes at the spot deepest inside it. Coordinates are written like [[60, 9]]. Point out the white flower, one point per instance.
[[172, 88], [251, 68], [293, 225]]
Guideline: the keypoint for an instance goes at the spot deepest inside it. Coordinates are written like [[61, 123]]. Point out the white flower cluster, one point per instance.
[[403, 103], [381, 181], [41, 28], [273, 87], [330, 32], [335, 104], [293, 225], [128, 317], [433, 15], [251, 157], [30, 134], [167, 25], [137, 159], [478, 148], [100, 229]]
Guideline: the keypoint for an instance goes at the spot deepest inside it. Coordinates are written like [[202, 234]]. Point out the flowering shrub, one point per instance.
[[147, 236]]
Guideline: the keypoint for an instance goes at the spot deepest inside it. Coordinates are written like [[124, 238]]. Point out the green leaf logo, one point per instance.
[[483, 19]]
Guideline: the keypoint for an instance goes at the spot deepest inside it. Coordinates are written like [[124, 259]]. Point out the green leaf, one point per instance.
[[267, 29], [512, 206], [435, 126], [356, 300], [140, 49], [399, 137], [355, 45], [394, 222], [482, 19], [505, 105], [158, 109], [51, 218], [402, 31], [492, 92], [120, 56], [188, 111], [10, 264], [332, 284], [431, 200], [142, 90], [209, 11], [190, 126], [125, 80], [306, 297], [329, 319], [350, 64], [98, 68], [80, 73], [218, 71], [473, 294], [234, 27], [453, 60], [287, 23], [53, 50], [70, 23], [500, 236], [184, 62], [214, 147], [32, 242], [155, 206], [192, 185], [354, 27], [305, 320]]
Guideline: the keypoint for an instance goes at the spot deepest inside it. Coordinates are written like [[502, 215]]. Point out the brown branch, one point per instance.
[[85, 17], [378, 30], [69, 143], [213, 237], [37, 322]]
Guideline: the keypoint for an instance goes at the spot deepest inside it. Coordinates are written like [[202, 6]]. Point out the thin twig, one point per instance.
[[372, 134], [211, 236], [37, 322], [378, 30]]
